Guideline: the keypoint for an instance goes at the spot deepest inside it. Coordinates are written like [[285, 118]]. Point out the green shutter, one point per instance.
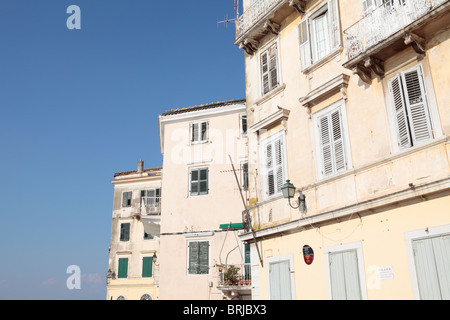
[[147, 264], [123, 268], [193, 257], [203, 257]]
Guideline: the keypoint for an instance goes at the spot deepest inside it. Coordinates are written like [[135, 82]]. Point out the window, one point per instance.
[[319, 34], [411, 109], [151, 200], [125, 232], [274, 169], [199, 131], [198, 257], [123, 268], [331, 140], [199, 181], [243, 125], [269, 69], [147, 264], [369, 5], [126, 199], [147, 236], [244, 176]]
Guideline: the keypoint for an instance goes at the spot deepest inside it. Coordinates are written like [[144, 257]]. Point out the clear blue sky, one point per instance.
[[79, 105]]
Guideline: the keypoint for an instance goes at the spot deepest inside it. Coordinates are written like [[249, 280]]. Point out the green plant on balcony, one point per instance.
[[231, 275]]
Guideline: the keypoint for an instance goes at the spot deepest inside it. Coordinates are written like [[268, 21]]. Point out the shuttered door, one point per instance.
[[280, 281], [432, 261], [344, 276]]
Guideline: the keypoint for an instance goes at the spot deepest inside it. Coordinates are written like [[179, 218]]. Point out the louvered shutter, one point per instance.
[[195, 132], [194, 182], [368, 6], [203, 257], [203, 181], [338, 141], [416, 103], [305, 46], [335, 29], [278, 164], [325, 145], [193, 257], [273, 67], [270, 170], [398, 100], [205, 130], [265, 72]]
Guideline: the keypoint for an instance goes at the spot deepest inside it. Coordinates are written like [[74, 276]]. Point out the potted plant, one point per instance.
[[231, 275]]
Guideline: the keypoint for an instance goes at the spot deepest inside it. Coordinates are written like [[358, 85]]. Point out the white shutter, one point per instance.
[[305, 44], [325, 145], [368, 6], [280, 281], [195, 132], [416, 103], [338, 141], [270, 171], [335, 29], [279, 164], [403, 133], [273, 66]]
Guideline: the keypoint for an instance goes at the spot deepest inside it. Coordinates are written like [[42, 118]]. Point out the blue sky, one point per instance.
[[76, 106]]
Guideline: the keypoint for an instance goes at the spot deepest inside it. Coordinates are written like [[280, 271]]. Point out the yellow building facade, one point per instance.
[[347, 100]]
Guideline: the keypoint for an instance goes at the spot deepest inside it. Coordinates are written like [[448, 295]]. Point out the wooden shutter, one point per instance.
[[432, 261], [325, 145], [416, 104], [203, 181], [278, 144], [335, 29], [194, 182], [126, 199], [270, 170], [273, 66], [305, 46], [203, 257], [280, 281], [403, 133], [193, 257], [344, 276], [332, 143], [147, 265], [195, 134], [265, 72], [204, 133], [123, 268]]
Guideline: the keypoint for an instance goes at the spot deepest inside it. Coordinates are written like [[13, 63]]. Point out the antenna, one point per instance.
[[226, 21]]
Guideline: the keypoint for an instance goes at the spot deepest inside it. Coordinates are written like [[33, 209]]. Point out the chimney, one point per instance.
[[140, 166]]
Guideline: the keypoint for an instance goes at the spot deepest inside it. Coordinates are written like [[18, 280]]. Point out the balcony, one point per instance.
[[150, 206], [235, 279], [389, 29], [261, 18]]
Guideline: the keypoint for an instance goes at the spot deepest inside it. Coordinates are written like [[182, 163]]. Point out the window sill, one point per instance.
[[271, 94], [317, 64]]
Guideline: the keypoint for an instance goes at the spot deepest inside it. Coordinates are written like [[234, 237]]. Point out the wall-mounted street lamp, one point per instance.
[[288, 190]]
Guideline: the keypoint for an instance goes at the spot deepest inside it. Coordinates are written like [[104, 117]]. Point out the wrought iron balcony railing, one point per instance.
[[254, 14], [150, 205], [384, 21]]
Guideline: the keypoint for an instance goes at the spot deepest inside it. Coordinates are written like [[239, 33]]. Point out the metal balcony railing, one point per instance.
[[254, 14], [235, 275], [384, 21]]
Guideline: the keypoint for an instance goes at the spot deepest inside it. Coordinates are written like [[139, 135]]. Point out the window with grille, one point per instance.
[[151, 200]]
